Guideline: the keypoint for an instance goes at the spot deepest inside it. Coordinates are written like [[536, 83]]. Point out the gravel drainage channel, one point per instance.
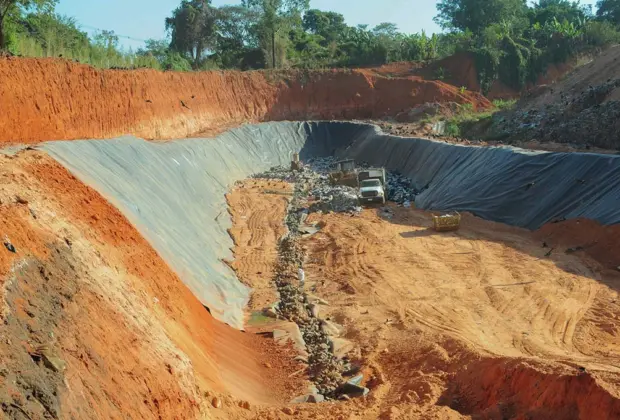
[[325, 369]]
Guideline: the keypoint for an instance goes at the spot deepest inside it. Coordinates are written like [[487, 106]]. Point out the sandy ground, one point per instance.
[[257, 208], [479, 322]]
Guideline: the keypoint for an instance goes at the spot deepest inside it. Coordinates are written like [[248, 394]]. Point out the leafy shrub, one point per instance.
[[600, 33]]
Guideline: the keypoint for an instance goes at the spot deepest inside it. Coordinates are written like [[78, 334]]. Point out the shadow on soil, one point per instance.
[[572, 259], [420, 233], [529, 393]]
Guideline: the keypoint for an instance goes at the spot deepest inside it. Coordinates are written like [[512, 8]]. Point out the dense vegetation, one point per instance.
[[511, 40]]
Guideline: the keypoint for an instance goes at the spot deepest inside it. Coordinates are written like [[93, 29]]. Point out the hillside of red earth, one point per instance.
[[460, 70], [94, 324], [581, 111], [80, 101]]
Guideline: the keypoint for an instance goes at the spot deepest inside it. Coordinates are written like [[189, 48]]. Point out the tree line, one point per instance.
[[510, 39]]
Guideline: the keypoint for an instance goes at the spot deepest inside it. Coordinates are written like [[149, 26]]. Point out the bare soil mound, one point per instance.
[[79, 101], [583, 109]]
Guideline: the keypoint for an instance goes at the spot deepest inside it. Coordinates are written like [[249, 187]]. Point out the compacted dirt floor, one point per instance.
[[490, 322]]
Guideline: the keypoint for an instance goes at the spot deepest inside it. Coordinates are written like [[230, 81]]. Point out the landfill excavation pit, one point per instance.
[[160, 280]]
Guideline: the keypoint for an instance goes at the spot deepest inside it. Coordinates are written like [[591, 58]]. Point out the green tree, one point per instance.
[[386, 28], [561, 10], [277, 18], [55, 34], [476, 15], [328, 25], [609, 10], [192, 29], [8, 7], [237, 38], [159, 49]]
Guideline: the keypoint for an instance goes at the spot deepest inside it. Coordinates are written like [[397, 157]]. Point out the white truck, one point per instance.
[[372, 186]]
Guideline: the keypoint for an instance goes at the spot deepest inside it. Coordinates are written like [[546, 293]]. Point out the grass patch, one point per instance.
[[466, 120], [258, 318]]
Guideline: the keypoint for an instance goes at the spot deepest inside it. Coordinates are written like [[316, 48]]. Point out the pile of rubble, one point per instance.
[[277, 172], [325, 369], [337, 198], [400, 189], [583, 120]]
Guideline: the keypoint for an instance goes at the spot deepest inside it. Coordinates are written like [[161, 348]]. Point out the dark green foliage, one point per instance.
[[192, 29], [12, 9], [237, 38], [609, 10], [561, 10], [477, 15], [600, 33], [516, 43]]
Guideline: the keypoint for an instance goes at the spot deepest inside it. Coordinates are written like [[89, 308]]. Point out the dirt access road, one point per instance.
[[484, 323]]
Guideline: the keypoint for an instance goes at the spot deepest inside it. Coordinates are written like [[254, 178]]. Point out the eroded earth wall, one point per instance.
[[51, 99]]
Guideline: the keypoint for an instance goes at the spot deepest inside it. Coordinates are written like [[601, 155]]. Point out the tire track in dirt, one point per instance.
[[257, 227], [488, 285]]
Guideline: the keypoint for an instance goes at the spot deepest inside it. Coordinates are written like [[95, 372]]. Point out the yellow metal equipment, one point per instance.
[[447, 222]]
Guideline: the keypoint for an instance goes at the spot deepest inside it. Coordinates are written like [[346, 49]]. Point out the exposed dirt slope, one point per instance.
[[95, 325], [582, 110], [52, 99], [476, 323]]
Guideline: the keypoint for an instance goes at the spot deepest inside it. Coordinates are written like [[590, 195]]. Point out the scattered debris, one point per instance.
[[400, 189], [309, 398], [336, 198], [8, 245], [572, 250], [583, 118]]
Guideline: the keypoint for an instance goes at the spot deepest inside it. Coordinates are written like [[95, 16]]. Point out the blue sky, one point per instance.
[[144, 19]]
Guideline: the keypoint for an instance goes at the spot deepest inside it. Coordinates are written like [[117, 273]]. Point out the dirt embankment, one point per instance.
[[49, 99], [581, 110], [94, 323]]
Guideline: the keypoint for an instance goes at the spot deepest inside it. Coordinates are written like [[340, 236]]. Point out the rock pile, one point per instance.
[[324, 368], [400, 189], [583, 119], [277, 172], [320, 337], [337, 198]]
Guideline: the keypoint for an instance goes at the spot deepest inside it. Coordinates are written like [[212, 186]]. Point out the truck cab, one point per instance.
[[372, 191]]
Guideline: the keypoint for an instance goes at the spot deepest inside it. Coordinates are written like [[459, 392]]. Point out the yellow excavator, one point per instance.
[[344, 172]]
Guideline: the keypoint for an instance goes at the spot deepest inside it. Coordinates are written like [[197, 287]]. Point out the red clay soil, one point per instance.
[[602, 243], [132, 339], [79, 101]]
